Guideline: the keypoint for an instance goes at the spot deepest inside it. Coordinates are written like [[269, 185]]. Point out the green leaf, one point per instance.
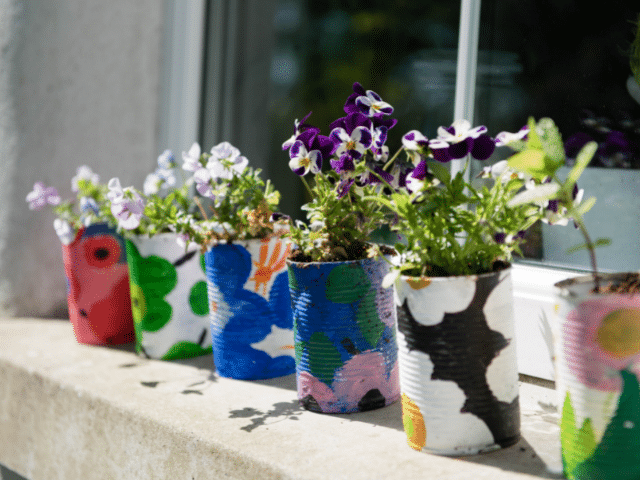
[[600, 242], [439, 171], [582, 160], [585, 206], [533, 140], [531, 161]]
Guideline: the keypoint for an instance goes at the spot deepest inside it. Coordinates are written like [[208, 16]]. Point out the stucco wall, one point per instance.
[[79, 84]]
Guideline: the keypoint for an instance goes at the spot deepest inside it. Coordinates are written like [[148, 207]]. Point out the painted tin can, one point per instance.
[[98, 286], [251, 323], [344, 324], [168, 297], [597, 373], [458, 371]]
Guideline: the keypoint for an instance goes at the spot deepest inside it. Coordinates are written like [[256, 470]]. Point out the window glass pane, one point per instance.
[[570, 61], [405, 50]]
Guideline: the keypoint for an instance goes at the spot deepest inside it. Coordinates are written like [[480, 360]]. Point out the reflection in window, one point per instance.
[[405, 50], [571, 63]]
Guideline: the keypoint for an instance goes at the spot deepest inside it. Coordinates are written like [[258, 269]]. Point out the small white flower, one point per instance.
[[191, 159], [63, 229], [83, 173], [505, 138], [166, 160], [151, 184]]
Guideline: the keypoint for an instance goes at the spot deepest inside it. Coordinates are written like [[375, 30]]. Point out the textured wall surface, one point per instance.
[[79, 84]]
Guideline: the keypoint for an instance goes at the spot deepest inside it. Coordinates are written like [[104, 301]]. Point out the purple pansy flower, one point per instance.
[[353, 137], [399, 172], [191, 159], [374, 174], [350, 105], [415, 143], [304, 161], [371, 104], [83, 172], [298, 128], [379, 139], [166, 160], [416, 179], [344, 186], [459, 140], [343, 165]]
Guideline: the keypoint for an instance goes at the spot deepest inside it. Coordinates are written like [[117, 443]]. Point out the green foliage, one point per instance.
[[69, 210], [339, 227], [542, 158], [242, 210], [450, 226], [161, 212]]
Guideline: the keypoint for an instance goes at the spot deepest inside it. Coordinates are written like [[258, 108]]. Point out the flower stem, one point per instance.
[[306, 185], [392, 159]]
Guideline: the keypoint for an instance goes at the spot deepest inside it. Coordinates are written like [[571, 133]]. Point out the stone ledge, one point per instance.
[[72, 411]]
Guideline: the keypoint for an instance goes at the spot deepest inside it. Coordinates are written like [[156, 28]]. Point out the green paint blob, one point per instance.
[[347, 284], [150, 279], [185, 350], [616, 456], [198, 300], [368, 320], [323, 357], [293, 282], [409, 428]]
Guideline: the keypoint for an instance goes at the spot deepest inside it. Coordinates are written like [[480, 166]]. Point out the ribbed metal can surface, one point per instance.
[[458, 371], [250, 309], [98, 298], [168, 297], [597, 379], [344, 326]]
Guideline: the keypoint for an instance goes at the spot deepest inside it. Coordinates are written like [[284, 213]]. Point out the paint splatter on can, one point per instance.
[[250, 309], [168, 298], [458, 371], [344, 323], [95, 265], [597, 379]]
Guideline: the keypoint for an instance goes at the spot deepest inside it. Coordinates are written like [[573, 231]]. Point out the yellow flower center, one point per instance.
[[305, 162]]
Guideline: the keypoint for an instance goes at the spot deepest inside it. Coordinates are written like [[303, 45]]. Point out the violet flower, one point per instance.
[[304, 161], [353, 139], [41, 196], [460, 140], [126, 204], [298, 128]]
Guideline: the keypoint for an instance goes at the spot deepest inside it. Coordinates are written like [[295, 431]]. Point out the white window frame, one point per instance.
[[534, 301]]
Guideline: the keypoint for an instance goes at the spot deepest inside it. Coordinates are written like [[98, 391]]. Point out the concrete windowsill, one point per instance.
[[70, 411]]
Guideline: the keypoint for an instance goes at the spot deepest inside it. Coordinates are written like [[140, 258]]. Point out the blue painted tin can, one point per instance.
[[344, 327], [250, 309]]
